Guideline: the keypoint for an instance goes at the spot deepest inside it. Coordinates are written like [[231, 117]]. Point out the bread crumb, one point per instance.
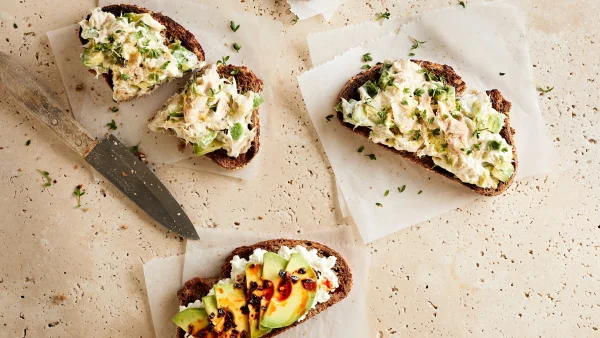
[[75, 167], [260, 217], [85, 209], [38, 158], [236, 223], [227, 44], [20, 169], [124, 174], [124, 227], [59, 299]]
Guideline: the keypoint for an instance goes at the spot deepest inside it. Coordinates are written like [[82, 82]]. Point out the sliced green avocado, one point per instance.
[[232, 300], [272, 265], [192, 320], [254, 285], [91, 58], [210, 304], [503, 172], [295, 294], [214, 145]]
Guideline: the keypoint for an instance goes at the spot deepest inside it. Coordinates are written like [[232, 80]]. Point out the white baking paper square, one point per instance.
[[305, 9], [479, 58]]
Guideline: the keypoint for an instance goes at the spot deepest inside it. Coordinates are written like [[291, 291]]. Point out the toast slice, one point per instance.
[[499, 103], [173, 31], [246, 81], [196, 288]]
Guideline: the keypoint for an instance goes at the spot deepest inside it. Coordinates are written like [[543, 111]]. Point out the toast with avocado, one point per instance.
[[136, 50], [425, 112], [264, 290], [216, 113]]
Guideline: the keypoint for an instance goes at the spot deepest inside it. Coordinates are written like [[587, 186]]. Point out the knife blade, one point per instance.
[[109, 156]]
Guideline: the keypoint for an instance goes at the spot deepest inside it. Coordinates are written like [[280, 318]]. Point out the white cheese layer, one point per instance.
[[133, 48], [210, 114], [413, 110]]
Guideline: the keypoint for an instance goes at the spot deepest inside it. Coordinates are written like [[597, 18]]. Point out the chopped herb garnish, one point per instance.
[[411, 54], [383, 15], [236, 131], [420, 191], [401, 189], [436, 132], [367, 57], [329, 117], [418, 92], [477, 146], [136, 148], [124, 77], [235, 71], [493, 145], [544, 90], [153, 77], [502, 74], [114, 109], [430, 120], [28, 142], [233, 26], [372, 157], [177, 115], [236, 46], [15, 26], [361, 148], [164, 65], [47, 177], [223, 60], [112, 125], [257, 101], [365, 66], [387, 192], [379, 204], [477, 132], [406, 90], [504, 150], [404, 103], [78, 192], [415, 42], [295, 21], [462, 3], [416, 135]]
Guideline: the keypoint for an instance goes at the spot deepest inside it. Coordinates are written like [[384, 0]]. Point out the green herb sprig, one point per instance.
[[112, 125], [463, 4], [383, 15], [233, 26], [78, 193], [401, 189], [237, 47], [47, 177], [223, 60]]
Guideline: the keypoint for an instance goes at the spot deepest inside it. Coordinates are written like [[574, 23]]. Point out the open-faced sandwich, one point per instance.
[[424, 112], [216, 113], [136, 50], [264, 289]]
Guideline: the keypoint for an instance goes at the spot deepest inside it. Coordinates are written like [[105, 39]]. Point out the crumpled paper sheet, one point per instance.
[[305, 9], [478, 56], [212, 30], [205, 258]]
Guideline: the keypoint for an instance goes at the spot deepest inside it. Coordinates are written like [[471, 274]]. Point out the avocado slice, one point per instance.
[[193, 321], [272, 265], [254, 285], [294, 296], [210, 304], [231, 299]]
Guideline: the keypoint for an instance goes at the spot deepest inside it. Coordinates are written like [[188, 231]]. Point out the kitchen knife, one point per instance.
[[108, 156]]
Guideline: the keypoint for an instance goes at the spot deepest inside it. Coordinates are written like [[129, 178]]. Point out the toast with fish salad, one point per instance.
[[264, 290], [136, 50], [425, 112], [216, 113]]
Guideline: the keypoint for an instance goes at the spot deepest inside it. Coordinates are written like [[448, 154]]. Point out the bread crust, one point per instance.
[[173, 31], [499, 103], [197, 287]]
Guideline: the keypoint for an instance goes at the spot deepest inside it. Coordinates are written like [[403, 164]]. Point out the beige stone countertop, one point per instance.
[[525, 264]]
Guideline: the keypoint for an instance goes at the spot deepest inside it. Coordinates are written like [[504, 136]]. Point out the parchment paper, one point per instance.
[[478, 56], [213, 32], [305, 9], [204, 258]]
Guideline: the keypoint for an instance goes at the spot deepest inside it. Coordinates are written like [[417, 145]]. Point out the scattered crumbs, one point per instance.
[[124, 227], [124, 174], [79, 87], [227, 44], [502, 74], [379, 204], [28, 142], [15, 26], [75, 167], [20, 169], [420, 192], [236, 223], [260, 217], [59, 299], [85, 209]]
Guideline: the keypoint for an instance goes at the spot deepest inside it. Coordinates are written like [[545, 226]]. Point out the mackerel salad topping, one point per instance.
[[413, 110], [210, 114], [132, 47]]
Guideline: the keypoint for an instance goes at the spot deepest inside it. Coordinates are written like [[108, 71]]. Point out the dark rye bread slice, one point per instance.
[[173, 31], [245, 81], [499, 103], [197, 288]]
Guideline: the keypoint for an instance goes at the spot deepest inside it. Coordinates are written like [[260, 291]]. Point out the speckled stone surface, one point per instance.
[[525, 264]]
